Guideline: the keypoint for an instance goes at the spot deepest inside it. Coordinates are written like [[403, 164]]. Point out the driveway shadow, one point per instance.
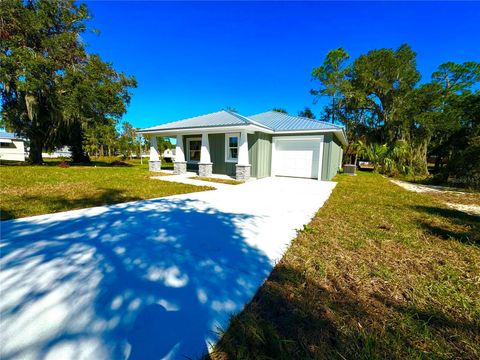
[[146, 280]]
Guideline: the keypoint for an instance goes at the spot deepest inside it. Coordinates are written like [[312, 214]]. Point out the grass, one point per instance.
[[379, 273], [34, 190], [217, 180]]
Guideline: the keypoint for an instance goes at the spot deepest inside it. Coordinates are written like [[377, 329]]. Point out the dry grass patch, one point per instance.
[[379, 273]]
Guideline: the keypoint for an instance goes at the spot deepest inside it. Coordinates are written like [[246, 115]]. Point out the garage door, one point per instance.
[[296, 157]]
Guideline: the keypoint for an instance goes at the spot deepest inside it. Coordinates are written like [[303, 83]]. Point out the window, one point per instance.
[[231, 147], [194, 146]]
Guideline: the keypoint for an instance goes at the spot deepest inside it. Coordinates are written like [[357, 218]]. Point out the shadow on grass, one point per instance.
[[154, 279], [6, 214], [456, 224], [433, 318], [292, 317]]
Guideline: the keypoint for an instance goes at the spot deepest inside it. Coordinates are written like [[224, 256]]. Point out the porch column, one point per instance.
[[243, 166], [180, 165], [154, 163], [205, 165]]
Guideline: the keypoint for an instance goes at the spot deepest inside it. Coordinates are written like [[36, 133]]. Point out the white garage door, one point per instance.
[[297, 157]]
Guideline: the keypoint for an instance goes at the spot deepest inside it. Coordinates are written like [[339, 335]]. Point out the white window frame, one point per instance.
[[188, 149], [227, 147]]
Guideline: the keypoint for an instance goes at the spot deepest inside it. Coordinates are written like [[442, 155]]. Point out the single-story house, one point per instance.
[[261, 145], [12, 147]]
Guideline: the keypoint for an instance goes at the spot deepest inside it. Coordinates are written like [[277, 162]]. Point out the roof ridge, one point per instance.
[[248, 120], [237, 115]]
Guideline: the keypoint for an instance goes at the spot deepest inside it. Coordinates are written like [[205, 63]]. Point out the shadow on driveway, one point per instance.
[[147, 280]]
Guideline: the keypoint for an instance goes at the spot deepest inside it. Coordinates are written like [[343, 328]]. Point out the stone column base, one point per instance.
[[205, 169], [179, 167], [243, 172], [155, 166]]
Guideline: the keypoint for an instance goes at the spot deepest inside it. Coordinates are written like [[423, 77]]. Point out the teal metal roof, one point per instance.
[[8, 135], [283, 122], [271, 120], [219, 118]]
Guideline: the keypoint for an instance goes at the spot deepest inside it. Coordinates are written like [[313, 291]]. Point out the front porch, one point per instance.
[[208, 154]]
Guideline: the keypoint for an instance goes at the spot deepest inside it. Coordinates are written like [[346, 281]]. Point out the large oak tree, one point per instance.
[[51, 88]]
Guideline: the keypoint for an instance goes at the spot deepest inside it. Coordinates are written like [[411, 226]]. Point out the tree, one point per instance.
[[231, 109], [51, 89], [97, 96], [331, 75], [128, 143], [280, 110], [307, 112], [40, 40], [395, 122], [382, 80], [456, 140], [457, 77]]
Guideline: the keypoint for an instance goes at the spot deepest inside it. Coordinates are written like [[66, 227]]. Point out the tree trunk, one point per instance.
[[35, 153], [76, 146], [333, 109]]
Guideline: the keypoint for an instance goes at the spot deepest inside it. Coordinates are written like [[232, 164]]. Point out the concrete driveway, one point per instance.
[[148, 279]]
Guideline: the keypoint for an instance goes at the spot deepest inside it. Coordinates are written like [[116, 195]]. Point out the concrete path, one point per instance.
[[188, 180], [154, 279]]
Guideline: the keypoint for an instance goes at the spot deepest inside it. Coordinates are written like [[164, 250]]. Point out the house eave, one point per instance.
[[232, 128], [339, 131], [203, 129]]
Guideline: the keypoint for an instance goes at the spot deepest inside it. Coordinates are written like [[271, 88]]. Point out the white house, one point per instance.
[[11, 147]]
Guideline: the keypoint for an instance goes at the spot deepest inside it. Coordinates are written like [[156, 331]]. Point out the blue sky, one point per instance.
[[195, 58]]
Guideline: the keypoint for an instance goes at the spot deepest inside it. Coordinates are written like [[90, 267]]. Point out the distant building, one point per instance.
[[58, 153], [169, 155], [12, 147]]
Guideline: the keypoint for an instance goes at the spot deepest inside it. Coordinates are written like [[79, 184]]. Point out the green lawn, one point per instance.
[[33, 190], [379, 273]]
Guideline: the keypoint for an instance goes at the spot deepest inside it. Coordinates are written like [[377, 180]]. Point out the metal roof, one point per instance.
[[283, 122], [8, 135], [219, 118], [270, 120]]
